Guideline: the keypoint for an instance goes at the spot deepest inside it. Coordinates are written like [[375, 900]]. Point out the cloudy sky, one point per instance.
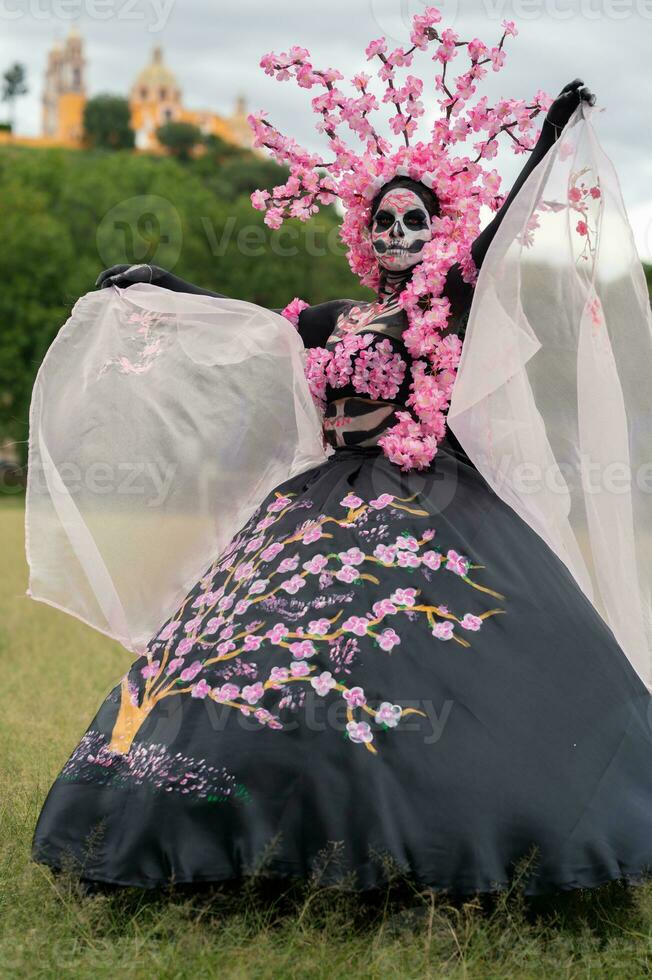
[[214, 47]]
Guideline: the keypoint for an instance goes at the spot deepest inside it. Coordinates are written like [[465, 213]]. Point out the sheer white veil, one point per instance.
[[553, 399], [159, 422]]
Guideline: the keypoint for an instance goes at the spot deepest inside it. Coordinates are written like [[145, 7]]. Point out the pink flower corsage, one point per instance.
[[293, 309]]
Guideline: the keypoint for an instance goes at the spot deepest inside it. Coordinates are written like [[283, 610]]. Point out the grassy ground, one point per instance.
[[55, 673]]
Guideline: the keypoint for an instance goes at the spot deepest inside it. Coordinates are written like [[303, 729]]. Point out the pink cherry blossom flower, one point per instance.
[[319, 627], [384, 607], [253, 642], [348, 574], [278, 633], [351, 501], [432, 560], [227, 692], [582, 228], [376, 48], [355, 697], [264, 523], [151, 670], [293, 310], [359, 732], [292, 585], [312, 534], [200, 689], [279, 674], [271, 551], [388, 714], [303, 649], [497, 58], [253, 692], [595, 309], [213, 624], [323, 683], [388, 639], [174, 665], [384, 500], [243, 571], [471, 622], [404, 597], [259, 586], [407, 560], [191, 672], [299, 668], [407, 542], [443, 631], [289, 564], [352, 557], [457, 563], [316, 565], [386, 554], [185, 646], [168, 631], [259, 200], [279, 504], [253, 545], [228, 646], [357, 625]]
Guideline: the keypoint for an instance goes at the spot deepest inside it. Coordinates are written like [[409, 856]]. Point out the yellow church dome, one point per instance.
[[156, 82]]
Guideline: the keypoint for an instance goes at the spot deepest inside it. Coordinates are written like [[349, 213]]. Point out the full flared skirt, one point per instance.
[[385, 671]]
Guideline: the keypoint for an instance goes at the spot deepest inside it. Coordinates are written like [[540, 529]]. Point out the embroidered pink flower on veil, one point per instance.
[[461, 183]]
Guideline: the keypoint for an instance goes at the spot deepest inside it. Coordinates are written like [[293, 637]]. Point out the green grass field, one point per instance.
[[55, 672]]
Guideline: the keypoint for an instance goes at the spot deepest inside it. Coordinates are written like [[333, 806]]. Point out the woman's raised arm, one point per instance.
[[458, 291]]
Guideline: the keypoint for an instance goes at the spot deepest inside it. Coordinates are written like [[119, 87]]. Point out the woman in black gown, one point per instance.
[[381, 665]]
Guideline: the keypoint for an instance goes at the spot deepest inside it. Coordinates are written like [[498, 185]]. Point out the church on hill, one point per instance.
[[155, 98]]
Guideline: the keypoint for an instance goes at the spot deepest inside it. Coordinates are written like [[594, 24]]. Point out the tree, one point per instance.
[[14, 84], [218, 149], [107, 123], [179, 138]]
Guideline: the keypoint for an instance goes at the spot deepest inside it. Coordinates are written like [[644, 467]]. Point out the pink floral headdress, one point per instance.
[[462, 184]]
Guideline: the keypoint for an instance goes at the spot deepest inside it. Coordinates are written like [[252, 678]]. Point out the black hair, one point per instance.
[[428, 197]]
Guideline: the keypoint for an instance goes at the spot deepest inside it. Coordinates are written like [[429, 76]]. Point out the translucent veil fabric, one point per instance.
[[553, 398], [159, 422]]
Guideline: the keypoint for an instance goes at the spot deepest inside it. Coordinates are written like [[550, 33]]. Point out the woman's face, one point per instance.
[[399, 230]]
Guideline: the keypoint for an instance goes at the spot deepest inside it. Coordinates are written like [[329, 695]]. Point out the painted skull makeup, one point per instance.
[[400, 229]]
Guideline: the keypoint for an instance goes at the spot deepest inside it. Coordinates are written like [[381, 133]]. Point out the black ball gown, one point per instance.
[[384, 669]]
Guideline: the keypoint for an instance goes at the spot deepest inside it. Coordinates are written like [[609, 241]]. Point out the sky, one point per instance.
[[214, 47]]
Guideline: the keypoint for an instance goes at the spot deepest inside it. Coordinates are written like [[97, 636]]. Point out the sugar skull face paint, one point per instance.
[[400, 229]]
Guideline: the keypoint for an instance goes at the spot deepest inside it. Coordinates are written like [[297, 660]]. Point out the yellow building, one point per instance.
[[64, 93], [154, 98]]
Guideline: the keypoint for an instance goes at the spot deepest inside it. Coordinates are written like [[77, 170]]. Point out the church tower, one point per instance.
[[155, 99], [64, 92]]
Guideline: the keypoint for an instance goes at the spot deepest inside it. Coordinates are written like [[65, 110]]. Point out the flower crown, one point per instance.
[[462, 185]]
